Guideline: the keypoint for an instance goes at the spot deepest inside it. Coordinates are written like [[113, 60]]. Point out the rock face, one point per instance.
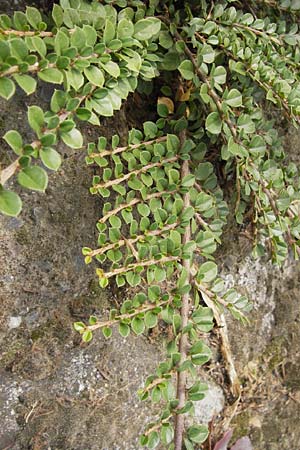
[[56, 393]]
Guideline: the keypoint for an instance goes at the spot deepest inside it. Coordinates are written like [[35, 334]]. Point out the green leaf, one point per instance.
[[188, 444], [33, 16], [33, 177], [208, 271], [7, 88], [14, 140], [165, 39], [145, 29], [234, 98], [133, 279], [138, 325], [109, 32], [87, 336], [27, 83], [167, 434], [124, 329], [94, 75], [153, 440], [219, 75], [188, 180], [39, 45], [198, 433], [112, 69], [73, 138], [90, 35], [150, 319], [57, 15], [78, 38], [18, 48], [61, 42], [200, 353], [107, 332], [36, 118], [50, 158], [125, 29], [213, 123], [257, 146], [51, 76], [203, 317], [79, 326], [48, 139], [10, 203], [208, 54], [186, 69]]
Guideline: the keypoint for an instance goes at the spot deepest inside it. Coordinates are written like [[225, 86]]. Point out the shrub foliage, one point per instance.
[[217, 70]]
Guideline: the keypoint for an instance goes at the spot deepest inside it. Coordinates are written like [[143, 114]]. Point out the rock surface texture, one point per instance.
[[58, 394]]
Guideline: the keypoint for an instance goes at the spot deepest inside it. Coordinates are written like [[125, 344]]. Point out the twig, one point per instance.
[[134, 266], [143, 309], [183, 341], [135, 172], [141, 237], [133, 202], [127, 147]]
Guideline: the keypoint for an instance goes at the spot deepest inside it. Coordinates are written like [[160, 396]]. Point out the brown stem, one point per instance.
[[127, 147], [133, 202], [201, 222], [15, 69], [28, 33], [134, 266], [183, 341], [135, 172], [156, 382], [158, 425], [141, 237], [117, 319]]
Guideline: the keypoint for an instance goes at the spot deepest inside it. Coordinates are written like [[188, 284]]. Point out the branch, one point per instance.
[[183, 341], [117, 319], [29, 33], [147, 263], [135, 172], [8, 172], [127, 147], [141, 237], [133, 202], [208, 298]]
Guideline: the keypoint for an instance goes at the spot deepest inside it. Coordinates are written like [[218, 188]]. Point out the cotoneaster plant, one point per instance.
[[217, 67]]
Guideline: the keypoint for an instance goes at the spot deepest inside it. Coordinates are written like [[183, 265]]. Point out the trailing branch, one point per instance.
[[133, 202], [184, 313], [135, 172], [128, 147]]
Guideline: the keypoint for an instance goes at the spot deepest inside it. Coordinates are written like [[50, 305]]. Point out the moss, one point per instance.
[[8, 357], [241, 425], [275, 353]]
